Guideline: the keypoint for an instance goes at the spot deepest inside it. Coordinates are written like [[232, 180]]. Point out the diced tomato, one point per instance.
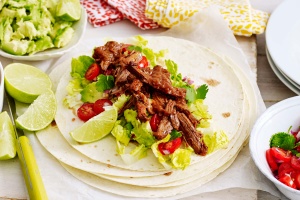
[[288, 180], [295, 162], [100, 104], [297, 180], [154, 122], [285, 168], [169, 147], [143, 63], [271, 161], [281, 155], [92, 72], [86, 112]]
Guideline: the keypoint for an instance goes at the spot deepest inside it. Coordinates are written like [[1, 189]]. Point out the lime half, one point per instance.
[[39, 114], [68, 10], [97, 127], [7, 137], [25, 82]]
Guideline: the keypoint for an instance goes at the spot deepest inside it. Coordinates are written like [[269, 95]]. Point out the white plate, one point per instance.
[[284, 79], [79, 29], [277, 118], [283, 38]]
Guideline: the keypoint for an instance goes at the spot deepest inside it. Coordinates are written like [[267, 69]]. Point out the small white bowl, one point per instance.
[[277, 118], [1, 87], [79, 30]]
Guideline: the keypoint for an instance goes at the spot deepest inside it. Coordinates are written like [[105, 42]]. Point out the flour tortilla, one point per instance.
[[238, 99], [225, 98]]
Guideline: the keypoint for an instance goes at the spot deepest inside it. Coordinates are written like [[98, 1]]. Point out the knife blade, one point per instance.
[[30, 170]]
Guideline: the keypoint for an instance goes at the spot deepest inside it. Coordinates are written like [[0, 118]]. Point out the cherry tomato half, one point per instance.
[[100, 104], [143, 63], [271, 161], [169, 147], [92, 72], [86, 112], [295, 162], [154, 122], [281, 155]]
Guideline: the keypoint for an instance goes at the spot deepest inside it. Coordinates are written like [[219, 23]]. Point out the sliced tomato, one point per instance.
[[295, 162], [281, 155], [100, 104], [286, 168], [86, 111], [169, 147], [154, 122], [143, 63], [271, 161], [92, 72]]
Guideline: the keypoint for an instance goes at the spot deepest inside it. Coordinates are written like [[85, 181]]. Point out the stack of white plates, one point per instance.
[[283, 43]]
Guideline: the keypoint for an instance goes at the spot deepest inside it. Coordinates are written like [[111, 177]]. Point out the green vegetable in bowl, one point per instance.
[[31, 26]]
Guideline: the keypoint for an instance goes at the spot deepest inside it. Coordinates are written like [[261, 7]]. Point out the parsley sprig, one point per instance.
[[285, 141]]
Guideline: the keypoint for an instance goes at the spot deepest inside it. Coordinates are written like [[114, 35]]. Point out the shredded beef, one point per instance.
[[191, 135], [151, 93], [164, 128]]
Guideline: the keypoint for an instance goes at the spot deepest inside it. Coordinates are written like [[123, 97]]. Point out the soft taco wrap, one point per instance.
[[229, 102]]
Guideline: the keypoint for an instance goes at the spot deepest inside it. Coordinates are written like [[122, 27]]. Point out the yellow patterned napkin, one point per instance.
[[241, 17]]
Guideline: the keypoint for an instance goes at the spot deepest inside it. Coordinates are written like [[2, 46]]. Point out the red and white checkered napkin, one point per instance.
[[103, 12], [100, 13]]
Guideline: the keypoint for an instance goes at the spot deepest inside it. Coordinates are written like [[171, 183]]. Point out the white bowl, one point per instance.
[[79, 30], [1, 87], [277, 118]]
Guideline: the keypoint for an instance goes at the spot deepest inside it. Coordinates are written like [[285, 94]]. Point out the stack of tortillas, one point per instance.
[[231, 101]]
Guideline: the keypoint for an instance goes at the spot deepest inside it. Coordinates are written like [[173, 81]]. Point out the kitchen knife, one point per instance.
[[31, 173]]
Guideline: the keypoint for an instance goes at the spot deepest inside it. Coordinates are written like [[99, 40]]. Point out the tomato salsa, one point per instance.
[[283, 157]]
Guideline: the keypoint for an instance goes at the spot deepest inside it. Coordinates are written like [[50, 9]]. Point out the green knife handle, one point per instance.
[[33, 179]]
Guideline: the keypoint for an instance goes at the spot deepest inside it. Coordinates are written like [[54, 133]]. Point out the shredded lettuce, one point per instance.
[[180, 159], [121, 101], [90, 93], [216, 140], [122, 134], [141, 46], [200, 112], [80, 65], [134, 155]]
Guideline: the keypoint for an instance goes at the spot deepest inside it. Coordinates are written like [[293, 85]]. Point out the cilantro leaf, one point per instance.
[[283, 140], [202, 91], [104, 82], [175, 134]]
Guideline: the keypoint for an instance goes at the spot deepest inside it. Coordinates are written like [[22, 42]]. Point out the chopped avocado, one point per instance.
[[34, 25], [16, 47], [90, 93], [63, 38], [41, 44]]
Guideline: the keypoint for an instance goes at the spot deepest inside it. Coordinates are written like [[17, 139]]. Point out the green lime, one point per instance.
[[25, 82], [97, 127], [68, 10], [39, 114], [7, 137]]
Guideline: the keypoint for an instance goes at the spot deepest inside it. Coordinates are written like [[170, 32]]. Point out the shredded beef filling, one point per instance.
[[151, 93]]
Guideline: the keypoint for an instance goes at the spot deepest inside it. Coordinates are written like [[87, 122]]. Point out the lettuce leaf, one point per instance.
[[80, 65]]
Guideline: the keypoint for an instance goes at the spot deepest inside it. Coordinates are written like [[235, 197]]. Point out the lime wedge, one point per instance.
[[68, 10], [39, 114], [25, 82], [7, 138], [97, 127]]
